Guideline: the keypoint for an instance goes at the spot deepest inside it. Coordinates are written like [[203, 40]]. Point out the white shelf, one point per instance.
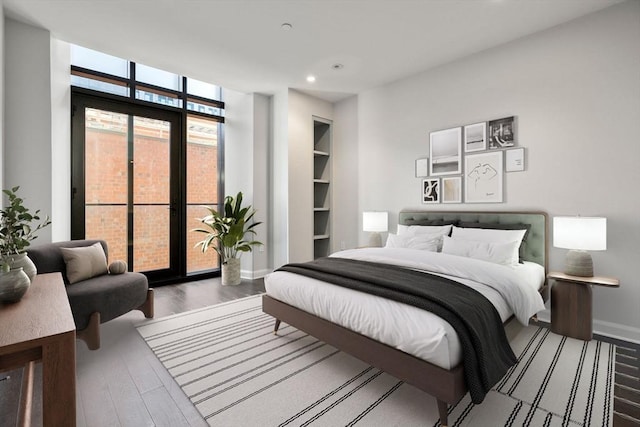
[[321, 188]]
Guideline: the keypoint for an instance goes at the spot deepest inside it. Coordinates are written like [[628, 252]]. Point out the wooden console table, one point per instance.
[[41, 327]]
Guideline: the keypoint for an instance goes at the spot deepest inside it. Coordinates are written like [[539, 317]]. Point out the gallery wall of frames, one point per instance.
[[466, 164]]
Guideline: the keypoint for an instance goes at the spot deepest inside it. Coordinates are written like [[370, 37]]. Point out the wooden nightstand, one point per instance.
[[571, 303]]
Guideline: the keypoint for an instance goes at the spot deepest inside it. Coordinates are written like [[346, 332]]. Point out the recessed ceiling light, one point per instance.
[[286, 26], [311, 79], [337, 66]]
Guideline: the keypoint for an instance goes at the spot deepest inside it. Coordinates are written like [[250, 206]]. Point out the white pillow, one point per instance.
[[429, 230], [425, 242], [425, 229], [488, 234], [504, 253], [84, 262]]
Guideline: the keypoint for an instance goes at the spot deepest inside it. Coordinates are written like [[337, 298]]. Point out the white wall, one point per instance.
[[238, 153], [246, 167], [261, 189], [279, 179], [575, 90], [60, 141], [345, 176], [27, 130]]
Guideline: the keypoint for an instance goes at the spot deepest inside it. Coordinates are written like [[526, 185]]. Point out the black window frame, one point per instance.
[[132, 84]]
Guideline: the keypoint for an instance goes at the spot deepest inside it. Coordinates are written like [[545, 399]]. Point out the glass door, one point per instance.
[[125, 183]]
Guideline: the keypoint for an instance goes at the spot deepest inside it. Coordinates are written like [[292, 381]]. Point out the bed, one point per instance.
[[434, 367]]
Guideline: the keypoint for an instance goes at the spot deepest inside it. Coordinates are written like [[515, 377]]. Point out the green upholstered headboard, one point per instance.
[[536, 247]]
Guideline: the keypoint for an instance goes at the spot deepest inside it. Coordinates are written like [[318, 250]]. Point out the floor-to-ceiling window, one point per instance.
[[146, 155]]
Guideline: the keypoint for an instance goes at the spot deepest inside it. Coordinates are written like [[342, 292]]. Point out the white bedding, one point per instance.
[[512, 290]]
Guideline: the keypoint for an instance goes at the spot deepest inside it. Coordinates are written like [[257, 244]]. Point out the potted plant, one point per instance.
[[226, 232], [16, 234]]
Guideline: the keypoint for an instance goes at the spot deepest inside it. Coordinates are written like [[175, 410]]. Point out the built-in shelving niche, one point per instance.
[[321, 187]]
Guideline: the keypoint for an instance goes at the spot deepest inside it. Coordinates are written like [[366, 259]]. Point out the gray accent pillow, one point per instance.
[[117, 267], [85, 262]]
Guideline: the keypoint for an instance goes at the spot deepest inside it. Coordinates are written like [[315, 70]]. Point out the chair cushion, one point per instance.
[[110, 295]]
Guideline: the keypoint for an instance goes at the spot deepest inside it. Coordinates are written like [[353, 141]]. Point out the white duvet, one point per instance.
[[512, 290]]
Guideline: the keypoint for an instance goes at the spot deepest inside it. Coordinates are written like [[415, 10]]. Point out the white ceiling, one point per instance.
[[239, 44]]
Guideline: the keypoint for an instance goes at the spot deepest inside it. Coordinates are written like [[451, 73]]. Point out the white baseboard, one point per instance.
[[252, 275], [607, 329], [616, 330]]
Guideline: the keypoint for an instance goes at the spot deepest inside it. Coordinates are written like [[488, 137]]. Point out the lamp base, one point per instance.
[[578, 263], [375, 240]]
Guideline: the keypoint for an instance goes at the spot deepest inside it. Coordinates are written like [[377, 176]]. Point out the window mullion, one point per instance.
[[132, 80]]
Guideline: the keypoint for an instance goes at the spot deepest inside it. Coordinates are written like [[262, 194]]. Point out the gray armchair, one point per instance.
[[98, 299]]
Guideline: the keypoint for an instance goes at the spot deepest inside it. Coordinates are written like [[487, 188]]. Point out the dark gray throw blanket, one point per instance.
[[486, 352]]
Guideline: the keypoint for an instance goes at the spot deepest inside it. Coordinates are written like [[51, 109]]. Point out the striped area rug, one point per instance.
[[237, 373]]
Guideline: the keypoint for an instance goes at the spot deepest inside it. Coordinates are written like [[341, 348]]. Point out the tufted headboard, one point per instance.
[[536, 247]]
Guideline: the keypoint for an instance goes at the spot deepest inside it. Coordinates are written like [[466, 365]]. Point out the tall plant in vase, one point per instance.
[[226, 233]]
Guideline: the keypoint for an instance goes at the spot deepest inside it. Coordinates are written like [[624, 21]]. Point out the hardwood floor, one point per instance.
[[124, 384], [626, 403]]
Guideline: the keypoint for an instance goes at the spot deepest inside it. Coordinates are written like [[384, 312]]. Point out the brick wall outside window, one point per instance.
[[106, 180]]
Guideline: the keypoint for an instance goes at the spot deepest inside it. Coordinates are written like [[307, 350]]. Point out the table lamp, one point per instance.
[[579, 234], [375, 222]]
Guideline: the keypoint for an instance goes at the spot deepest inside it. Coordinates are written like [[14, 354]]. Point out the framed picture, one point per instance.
[[445, 151], [502, 133], [514, 160], [483, 176], [431, 190], [475, 137], [452, 189], [422, 167]]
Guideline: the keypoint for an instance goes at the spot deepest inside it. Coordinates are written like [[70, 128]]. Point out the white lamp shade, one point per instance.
[[375, 221], [577, 232]]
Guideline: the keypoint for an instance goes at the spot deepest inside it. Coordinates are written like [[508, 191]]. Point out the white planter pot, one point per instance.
[[231, 272]]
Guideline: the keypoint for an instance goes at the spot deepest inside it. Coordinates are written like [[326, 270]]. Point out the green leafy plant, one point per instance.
[[16, 229], [225, 232]]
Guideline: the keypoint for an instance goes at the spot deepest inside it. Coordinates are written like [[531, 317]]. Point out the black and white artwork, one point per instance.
[[475, 137], [445, 152], [502, 133], [431, 190], [483, 177]]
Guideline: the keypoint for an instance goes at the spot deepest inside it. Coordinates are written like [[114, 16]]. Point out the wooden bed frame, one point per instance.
[[447, 386]]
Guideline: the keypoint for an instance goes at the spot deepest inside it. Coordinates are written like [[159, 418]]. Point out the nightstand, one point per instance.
[[571, 303]]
